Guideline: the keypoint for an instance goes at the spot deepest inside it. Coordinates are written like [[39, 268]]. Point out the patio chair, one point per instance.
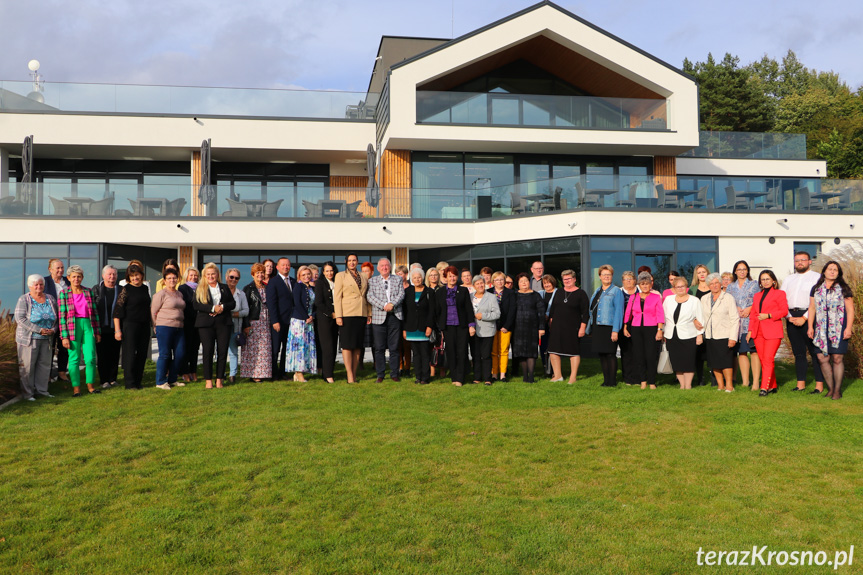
[[732, 202], [352, 210], [517, 203], [61, 207], [271, 209], [700, 200], [103, 207], [771, 200], [805, 202], [662, 201], [238, 209], [313, 209], [585, 199], [175, 207], [629, 200], [554, 204], [844, 200]]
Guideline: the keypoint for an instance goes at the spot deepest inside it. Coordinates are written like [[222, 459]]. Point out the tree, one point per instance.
[[730, 98]]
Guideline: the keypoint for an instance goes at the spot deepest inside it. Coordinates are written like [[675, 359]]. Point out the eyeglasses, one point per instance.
[[233, 277], [507, 283]]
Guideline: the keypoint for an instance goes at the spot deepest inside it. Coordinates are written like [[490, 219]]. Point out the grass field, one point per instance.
[[399, 478]]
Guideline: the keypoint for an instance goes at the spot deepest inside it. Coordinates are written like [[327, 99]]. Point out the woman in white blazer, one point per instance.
[[721, 325], [683, 328]]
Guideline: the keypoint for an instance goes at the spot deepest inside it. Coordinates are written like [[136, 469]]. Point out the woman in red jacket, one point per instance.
[[769, 306]]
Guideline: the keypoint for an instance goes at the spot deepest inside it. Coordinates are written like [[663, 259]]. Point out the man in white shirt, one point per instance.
[[797, 287]]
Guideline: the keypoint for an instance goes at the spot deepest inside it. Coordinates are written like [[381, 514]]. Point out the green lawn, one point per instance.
[[399, 478]]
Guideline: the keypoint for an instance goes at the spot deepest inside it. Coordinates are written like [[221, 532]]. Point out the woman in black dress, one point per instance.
[[699, 289], [132, 320], [529, 326], [569, 314], [549, 288], [326, 328]]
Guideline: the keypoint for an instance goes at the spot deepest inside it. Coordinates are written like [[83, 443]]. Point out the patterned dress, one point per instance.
[[743, 298], [302, 356], [257, 357]]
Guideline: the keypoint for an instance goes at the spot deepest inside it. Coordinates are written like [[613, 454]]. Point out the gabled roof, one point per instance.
[[527, 11]]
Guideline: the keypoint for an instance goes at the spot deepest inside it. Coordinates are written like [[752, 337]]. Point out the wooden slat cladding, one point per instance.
[[395, 176], [185, 257], [198, 209], [665, 171], [545, 53], [351, 189], [401, 256]]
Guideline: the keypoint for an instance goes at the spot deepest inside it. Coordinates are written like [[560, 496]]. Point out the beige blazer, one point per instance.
[[348, 300], [722, 320]]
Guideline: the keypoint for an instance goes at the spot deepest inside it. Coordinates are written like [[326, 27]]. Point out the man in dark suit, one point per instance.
[[280, 305], [54, 284]]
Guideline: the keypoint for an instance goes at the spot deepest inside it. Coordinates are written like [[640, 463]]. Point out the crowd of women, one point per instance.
[[445, 322]]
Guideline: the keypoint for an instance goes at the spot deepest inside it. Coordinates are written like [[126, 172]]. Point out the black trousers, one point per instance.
[[456, 351], [385, 337], [422, 359], [279, 342], [328, 334], [108, 355], [645, 353], [136, 350], [800, 345], [627, 359], [700, 358], [193, 343], [482, 358], [215, 338], [62, 354]]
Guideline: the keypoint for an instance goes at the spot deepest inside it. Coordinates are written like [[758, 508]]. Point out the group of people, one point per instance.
[[441, 321]]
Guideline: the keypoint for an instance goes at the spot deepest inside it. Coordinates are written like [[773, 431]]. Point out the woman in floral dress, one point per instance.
[[302, 355], [257, 355]]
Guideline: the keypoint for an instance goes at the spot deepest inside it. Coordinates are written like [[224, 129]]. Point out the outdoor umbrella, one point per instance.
[[27, 164], [372, 192], [206, 193]]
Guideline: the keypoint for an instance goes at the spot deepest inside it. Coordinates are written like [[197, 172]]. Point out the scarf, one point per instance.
[[357, 279], [193, 285], [829, 317]]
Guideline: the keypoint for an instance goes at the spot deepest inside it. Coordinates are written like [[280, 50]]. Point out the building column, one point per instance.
[[187, 256], [665, 171], [400, 256]]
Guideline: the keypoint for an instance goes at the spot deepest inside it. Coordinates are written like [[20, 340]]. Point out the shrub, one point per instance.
[[850, 257], [9, 382]]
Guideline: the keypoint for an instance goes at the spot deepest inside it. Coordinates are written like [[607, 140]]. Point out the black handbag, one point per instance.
[[438, 348]]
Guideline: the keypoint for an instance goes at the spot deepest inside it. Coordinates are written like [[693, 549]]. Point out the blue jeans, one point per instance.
[[233, 354], [172, 350]]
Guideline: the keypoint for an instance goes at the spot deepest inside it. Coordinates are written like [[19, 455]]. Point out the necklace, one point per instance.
[[566, 295]]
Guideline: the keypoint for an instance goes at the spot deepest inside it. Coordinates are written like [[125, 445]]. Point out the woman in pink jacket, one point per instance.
[[643, 322]]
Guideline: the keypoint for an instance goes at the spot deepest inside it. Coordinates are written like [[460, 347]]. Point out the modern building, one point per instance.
[[539, 136]]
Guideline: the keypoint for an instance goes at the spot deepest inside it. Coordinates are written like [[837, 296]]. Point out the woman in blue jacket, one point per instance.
[[606, 319]]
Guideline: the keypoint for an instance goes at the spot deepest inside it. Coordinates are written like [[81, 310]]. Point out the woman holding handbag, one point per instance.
[[769, 308]]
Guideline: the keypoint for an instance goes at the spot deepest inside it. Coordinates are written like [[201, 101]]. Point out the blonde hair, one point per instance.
[[695, 274], [190, 269], [428, 275], [441, 266], [300, 271], [678, 280], [604, 267], [202, 294]]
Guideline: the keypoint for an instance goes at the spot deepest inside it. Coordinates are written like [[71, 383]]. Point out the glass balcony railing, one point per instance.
[[299, 201], [186, 101], [575, 112], [759, 145]]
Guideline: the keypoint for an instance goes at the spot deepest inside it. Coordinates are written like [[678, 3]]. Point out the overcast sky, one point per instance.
[[331, 44]]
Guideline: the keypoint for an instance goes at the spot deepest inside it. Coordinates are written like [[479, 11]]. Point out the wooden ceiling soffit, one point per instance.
[[545, 53]]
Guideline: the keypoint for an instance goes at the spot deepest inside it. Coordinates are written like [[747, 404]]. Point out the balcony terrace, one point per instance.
[[592, 192], [78, 98]]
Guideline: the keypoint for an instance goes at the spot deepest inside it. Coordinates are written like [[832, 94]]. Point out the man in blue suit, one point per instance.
[[280, 305], [54, 284]]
